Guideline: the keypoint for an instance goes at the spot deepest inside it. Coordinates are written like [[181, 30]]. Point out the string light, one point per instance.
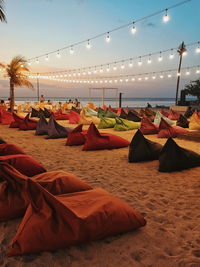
[[108, 68], [131, 63], [198, 49], [122, 66], [169, 75], [160, 57], [115, 67], [71, 50], [58, 54], [166, 16], [88, 45], [171, 56], [187, 72], [140, 61], [47, 58], [37, 61], [133, 29], [149, 59], [108, 37]]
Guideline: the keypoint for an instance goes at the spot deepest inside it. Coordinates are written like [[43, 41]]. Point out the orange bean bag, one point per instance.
[[6, 117], [25, 164], [147, 127], [10, 149], [96, 140], [13, 198], [55, 222]]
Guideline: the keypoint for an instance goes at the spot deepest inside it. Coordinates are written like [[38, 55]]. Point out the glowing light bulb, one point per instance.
[[115, 67], [184, 53], [161, 76], [198, 71], [153, 77], [133, 79], [169, 75], [160, 58], [47, 58], [149, 60], [131, 64], [108, 68], [133, 29], [108, 37], [21, 65], [58, 54], [37, 61], [139, 79], [198, 50], [122, 66], [178, 74], [171, 56], [29, 63], [115, 81], [121, 80], [101, 69], [110, 81], [146, 78], [166, 17], [88, 45], [140, 62], [187, 72], [71, 50], [126, 80]]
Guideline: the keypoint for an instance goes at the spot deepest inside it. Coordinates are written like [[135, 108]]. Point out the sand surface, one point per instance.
[[169, 202]]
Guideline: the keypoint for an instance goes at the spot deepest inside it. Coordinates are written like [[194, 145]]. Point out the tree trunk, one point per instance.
[[12, 96]]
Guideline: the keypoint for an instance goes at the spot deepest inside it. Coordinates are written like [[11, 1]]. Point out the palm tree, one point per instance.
[[2, 15], [17, 72]]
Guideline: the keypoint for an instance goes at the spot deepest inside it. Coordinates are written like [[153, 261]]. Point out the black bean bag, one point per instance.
[[182, 122], [42, 126], [142, 149], [35, 113], [47, 113], [175, 158], [188, 112], [2, 141], [123, 114], [132, 116], [56, 130]]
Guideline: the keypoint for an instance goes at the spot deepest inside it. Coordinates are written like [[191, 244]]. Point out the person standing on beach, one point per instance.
[[42, 99]]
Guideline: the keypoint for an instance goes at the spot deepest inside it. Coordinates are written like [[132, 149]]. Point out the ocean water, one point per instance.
[[126, 102]]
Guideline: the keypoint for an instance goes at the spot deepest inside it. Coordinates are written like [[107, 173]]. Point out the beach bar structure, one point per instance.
[[103, 89]]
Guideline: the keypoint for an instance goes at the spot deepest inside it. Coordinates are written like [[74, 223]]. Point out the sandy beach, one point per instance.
[[169, 201]]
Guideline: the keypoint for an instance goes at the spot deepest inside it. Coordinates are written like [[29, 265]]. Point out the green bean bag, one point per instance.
[[158, 117], [101, 112], [126, 125], [90, 112], [110, 114], [106, 123]]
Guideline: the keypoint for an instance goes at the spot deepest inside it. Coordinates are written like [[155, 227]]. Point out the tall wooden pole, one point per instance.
[[38, 88], [181, 50]]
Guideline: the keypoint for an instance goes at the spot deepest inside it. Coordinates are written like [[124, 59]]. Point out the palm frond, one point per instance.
[[2, 15]]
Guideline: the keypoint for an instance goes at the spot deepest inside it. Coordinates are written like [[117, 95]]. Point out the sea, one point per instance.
[[126, 102]]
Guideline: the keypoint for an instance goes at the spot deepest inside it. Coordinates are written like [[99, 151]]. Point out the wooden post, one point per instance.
[[38, 88]]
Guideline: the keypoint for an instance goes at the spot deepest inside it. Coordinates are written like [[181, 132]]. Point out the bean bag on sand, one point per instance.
[[173, 115], [10, 149], [182, 122], [142, 149], [56, 130], [6, 117], [164, 113], [175, 158], [90, 112], [96, 140], [106, 123], [61, 116], [25, 164], [28, 124], [132, 116], [110, 114], [2, 141], [35, 113], [86, 120], [125, 125], [16, 122], [147, 127], [13, 200], [188, 113], [76, 137], [158, 117], [74, 117], [166, 130], [194, 122], [70, 219], [42, 126], [123, 114]]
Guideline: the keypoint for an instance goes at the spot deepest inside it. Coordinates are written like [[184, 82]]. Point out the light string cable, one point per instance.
[[107, 33], [126, 78], [114, 64]]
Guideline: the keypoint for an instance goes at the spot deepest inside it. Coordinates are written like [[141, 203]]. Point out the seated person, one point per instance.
[[77, 103], [3, 105]]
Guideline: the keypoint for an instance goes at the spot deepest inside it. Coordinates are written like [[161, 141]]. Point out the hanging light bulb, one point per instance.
[[108, 68], [121, 80], [149, 59], [58, 54], [95, 70], [47, 57], [198, 71], [37, 61], [101, 69], [178, 74], [184, 53], [166, 16], [71, 50], [160, 57], [131, 63], [133, 29], [146, 78], [122, 66], [115, 81], [169, 75], [108, 37], [171, 56], [29, 63], [187, 72], [198, 49], [115, 67], [88, 45], [161, 76], [140, 61], [126, 80], [133, 79], [139, 79], [154, 77]]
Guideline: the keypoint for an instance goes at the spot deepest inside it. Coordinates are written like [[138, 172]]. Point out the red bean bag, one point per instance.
[[55, 222], [173, 115], [61, 116], [164, 113], [6, 117], [142, 149], [28, 124], [147, 127], [74, 117], [16, 122], [13, 199], [175, 158], [10, 149], [25, 164], [166, 130], [96, 140], [76, 137]]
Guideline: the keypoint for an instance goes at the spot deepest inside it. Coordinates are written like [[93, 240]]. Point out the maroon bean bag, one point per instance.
[[6, 117], [164, 113], [61, 116], [10, 149], [182, 122], [25, 164], [56, 222], [132, 116], [76, 137], [142, 149], [13, 199], [175, 158], [123, 114], [147, 127], [96, 140], [16, 122], [74, 117], [166, 130], [173, 115], [28, 124]]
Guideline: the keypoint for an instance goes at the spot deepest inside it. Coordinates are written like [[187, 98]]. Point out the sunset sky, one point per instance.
[[37, 27]]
